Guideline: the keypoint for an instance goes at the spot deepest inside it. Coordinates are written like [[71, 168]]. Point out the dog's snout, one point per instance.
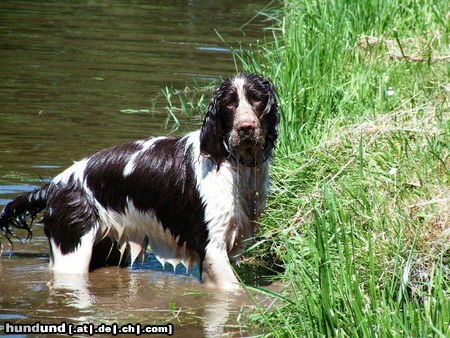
[[246, 127]]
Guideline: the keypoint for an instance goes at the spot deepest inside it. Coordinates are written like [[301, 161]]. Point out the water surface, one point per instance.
[[68, 70]]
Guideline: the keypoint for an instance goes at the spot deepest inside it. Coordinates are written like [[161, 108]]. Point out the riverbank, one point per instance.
[[357, 217], [358, 213]]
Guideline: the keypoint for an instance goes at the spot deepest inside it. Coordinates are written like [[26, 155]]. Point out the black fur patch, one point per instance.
[[106, 253], [104, 174], [70, 214], [162, 182], [216, 124]]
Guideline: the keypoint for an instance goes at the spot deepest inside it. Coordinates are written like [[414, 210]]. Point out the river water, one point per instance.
[[71, 72]]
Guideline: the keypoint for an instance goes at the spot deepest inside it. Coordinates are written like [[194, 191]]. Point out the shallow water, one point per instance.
[[68, 70]]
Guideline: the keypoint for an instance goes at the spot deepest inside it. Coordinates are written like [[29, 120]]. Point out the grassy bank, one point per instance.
[[358, 214], [359, 204]]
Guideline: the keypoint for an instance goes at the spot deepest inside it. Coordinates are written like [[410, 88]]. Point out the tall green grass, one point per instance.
[[321, 72], [358, 214]]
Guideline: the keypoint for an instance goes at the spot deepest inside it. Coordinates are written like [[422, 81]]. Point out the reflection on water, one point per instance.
[[67, 70], [213, 309], [29, 292], [74, 288]]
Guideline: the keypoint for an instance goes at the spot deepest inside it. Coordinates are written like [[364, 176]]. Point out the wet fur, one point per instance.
[[194, 200]]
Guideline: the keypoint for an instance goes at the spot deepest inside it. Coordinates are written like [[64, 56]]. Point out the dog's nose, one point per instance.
[[246, 127]]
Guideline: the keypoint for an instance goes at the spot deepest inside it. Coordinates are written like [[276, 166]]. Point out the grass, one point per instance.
[[358, 210], [360, 225], [358, 214]]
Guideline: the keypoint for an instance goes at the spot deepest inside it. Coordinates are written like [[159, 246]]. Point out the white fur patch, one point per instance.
[[77, 170], [233, 197], [244, 110], [146, 145], [239, 84], [76, 262]]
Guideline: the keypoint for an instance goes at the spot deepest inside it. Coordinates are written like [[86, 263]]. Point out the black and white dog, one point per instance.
[[195, 200]]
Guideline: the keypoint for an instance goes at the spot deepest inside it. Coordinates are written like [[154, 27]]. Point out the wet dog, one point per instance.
[[194, 200]]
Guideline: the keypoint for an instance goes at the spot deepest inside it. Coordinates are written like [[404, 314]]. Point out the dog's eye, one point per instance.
[[231, 105], [258, 103]]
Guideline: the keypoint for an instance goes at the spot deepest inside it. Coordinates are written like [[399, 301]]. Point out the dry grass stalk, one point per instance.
[[396, 51]]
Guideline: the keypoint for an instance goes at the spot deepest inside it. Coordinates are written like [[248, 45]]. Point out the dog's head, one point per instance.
[[241, 122]]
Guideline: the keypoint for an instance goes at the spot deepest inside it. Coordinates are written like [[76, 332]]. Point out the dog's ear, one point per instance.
[[270, 118], [212, 143]]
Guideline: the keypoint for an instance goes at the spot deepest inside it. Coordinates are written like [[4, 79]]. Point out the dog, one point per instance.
[[194, 200]]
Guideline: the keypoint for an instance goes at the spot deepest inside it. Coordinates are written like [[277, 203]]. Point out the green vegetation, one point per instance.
[[358, 210], [358, 215]]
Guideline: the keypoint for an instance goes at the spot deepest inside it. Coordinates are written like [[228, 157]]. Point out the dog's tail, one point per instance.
[[21, 212]]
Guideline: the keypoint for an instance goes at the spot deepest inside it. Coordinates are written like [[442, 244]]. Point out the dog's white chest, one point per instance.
[[233, 198]]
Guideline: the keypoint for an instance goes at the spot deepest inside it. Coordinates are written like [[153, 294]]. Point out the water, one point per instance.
[[68, 70]]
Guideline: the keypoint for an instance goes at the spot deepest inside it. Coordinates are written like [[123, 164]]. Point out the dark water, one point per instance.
[[68, 70]]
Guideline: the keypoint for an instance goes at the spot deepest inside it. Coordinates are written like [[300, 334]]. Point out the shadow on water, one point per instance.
[[68, 71]]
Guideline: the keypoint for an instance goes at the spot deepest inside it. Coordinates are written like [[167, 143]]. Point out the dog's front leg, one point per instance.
[[217, 271]]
